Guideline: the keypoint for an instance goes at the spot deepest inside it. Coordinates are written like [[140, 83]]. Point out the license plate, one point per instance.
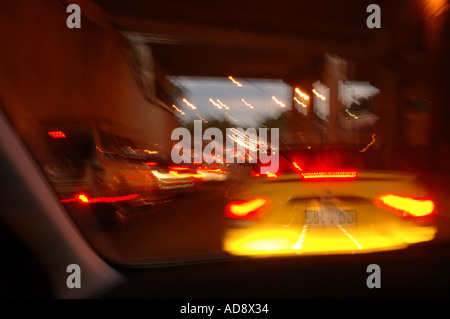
[[330, 217]]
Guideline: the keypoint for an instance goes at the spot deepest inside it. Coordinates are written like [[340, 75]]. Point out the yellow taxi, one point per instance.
[[327, 202]]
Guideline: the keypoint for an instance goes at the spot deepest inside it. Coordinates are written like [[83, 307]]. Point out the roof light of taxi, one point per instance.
[[244, 209], [57, 134], [329, 175], [406, 206]]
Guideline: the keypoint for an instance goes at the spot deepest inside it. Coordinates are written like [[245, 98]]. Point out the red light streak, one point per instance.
[[175, 173], [178, 168], [298, 102], [329, 175], [268, 175], [83, 198]]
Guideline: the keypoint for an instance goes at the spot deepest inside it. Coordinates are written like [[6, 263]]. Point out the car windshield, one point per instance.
[[174, 132]]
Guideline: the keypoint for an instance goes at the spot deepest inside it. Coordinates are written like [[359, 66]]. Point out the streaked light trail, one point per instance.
[[368, 145], [303, 95], [201, 118], [232, 118], [278, 102], [192, 106], [351, 114], [320, 96], [215, 104], [223, 105], [178, 110], [298, 102], [248, 104], [234, 81]]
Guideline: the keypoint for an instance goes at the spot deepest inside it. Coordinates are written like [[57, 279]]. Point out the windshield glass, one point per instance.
[[172, 132]]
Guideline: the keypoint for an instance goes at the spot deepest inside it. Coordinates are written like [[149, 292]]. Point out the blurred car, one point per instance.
[[109, 175], [327, 201]]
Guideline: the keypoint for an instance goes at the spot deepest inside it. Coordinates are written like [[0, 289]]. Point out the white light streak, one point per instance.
[[248, 104], [192, 106], [234, 81], [215, 104], [278, 102], [178, 110]]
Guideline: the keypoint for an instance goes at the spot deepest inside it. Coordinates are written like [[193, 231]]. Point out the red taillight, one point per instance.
[[57, 134], [247, 209], [151, 163], [83, 198], [348, 175], [406, 206]]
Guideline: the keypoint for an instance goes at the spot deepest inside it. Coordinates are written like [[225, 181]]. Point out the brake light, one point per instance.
[[57, 134], [329, 175], [83, 198], [406, 206], [151, 163], [268, 175], [247, 209]]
